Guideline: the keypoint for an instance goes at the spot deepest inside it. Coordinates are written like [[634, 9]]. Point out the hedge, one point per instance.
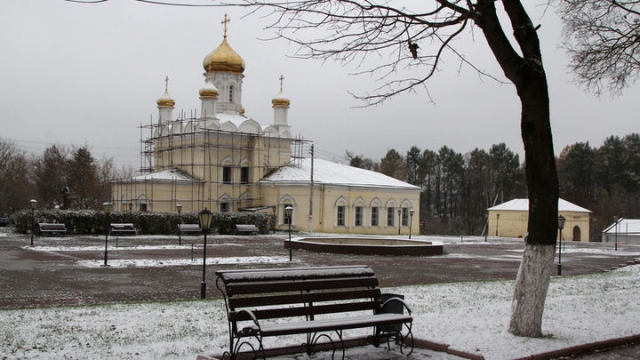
[[87, 222]]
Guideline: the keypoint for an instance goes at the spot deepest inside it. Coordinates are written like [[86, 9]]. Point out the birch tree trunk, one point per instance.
[[527, 73]]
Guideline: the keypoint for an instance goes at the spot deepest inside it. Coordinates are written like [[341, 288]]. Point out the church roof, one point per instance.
[[172, 175], [331, 173], [625, 226], [523, 205]]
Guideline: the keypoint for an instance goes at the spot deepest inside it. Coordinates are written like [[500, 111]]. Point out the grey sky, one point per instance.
[[76, 73]]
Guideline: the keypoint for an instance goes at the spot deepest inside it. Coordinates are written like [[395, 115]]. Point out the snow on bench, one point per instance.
[[318, 301], [51, 228], [246, 229], [124, 228], [189, 229]]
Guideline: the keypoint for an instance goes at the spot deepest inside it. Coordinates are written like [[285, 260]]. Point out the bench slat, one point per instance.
[[269, 287], [328, 324], [311, 311], [230, 276], [300, 298]]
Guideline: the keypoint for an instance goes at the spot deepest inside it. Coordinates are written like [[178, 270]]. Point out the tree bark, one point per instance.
[[527, 73]]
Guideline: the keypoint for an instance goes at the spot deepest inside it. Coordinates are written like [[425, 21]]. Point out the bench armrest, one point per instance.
[[249, 330], [396, 299]]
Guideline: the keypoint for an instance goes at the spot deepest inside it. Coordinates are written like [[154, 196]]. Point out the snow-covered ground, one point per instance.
[[471, 316]]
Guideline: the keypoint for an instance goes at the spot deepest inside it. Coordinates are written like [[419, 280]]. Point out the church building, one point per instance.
[[226, 161]]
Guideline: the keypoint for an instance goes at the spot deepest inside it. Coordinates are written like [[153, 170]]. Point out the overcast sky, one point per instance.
[[77, 73]]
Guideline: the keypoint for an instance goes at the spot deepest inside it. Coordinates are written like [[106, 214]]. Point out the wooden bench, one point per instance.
[[189, 229], [247, 229], [124, 228], [316, 301], [51, 228]]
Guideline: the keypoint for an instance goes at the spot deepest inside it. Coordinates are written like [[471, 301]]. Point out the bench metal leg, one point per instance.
[[396, 332]]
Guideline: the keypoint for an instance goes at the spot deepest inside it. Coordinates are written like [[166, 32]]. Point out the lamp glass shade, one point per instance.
[[34, 203], [411, 211], [561, 221], [205, 219], [106, 206], [179, 207], [288, 210]]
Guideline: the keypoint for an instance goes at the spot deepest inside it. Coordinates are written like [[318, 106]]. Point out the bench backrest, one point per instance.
[[298, 292], [124, 226], [52, 226], [189, 227]]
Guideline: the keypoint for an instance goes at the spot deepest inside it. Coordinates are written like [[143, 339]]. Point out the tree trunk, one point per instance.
[[530, 293], [527, 74]]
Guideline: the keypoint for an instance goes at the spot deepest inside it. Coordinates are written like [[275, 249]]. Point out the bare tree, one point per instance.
[[403, 45], [603, 40], [15, 187]]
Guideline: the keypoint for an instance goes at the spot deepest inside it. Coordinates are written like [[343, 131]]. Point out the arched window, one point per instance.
[[230, 93], [341, 212]]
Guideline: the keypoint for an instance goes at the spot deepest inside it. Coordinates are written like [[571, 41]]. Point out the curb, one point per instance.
[[584, 348]]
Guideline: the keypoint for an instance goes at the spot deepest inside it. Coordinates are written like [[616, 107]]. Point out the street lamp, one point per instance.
[[106, 206], [616, 219], [399, 219], [288, 211], [561, 221], [205, 222], [411, 211], [486, 220], [34, 203], [179, 208], [497, 222]]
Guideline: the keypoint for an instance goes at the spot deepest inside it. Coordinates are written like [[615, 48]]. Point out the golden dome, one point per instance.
[[166, 100], [281, 99], [209, 90], [224, 58]]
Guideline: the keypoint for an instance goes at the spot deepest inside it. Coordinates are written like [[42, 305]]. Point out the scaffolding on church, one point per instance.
[[199, 163]]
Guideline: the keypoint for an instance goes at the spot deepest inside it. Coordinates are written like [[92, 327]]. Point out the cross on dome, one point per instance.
[[166, 84], [281, 79], [224, 24]]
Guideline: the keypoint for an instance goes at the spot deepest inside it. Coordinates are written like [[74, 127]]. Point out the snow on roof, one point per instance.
[[330, 173], [236, 119], [164, 175], [523, 205], [631, 226]]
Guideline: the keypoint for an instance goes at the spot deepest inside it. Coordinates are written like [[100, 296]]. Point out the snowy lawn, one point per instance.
[[471, 316]]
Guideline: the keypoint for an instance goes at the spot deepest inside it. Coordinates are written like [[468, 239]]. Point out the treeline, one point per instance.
[[59, 178], [458, 188]]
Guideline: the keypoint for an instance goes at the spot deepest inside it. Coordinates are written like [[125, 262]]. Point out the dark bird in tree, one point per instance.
[[413, 47]]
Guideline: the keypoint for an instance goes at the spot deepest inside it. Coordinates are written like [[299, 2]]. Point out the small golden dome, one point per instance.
[[166, 100], [281, 99], [209, 90], [224, 58]]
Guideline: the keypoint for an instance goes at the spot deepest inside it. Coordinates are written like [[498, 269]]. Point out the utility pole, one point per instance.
[[311, 195]]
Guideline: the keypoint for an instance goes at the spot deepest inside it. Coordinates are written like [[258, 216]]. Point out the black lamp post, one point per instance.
[[497, 223], [616, 219], [107, 210], [486, 219], [561, 221], [411, 211], [399, 220], [205, 222], [179, 208], [288, 211], [34, 203]]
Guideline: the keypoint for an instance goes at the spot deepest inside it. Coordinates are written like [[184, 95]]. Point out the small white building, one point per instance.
[[623, 231], [510, 219]]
